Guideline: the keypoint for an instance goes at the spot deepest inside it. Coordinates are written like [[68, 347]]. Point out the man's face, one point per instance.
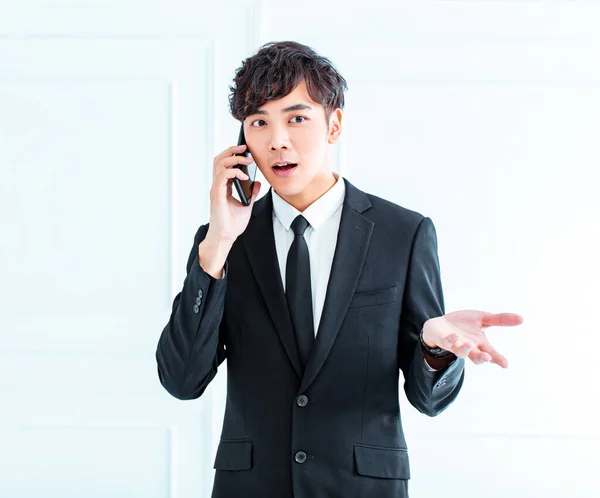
[[299, 135]]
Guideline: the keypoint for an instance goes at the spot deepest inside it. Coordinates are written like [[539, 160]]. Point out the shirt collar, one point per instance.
[[317, 213]]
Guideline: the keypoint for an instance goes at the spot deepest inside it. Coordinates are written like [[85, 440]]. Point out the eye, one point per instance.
[[301, 117]]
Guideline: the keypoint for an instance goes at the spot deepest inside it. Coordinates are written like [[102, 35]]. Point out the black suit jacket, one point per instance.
[[334, 429]]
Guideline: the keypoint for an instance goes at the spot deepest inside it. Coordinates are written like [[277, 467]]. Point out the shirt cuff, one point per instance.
[[429, 367]]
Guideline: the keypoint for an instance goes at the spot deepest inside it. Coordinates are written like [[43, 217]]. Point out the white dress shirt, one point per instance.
[[324, 216]]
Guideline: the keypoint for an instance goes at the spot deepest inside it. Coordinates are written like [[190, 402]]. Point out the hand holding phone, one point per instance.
[[228, 216]]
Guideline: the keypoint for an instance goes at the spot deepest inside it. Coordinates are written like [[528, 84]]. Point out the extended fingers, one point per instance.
[[496, 357], [478, 357], [501, 319], [464, 348]]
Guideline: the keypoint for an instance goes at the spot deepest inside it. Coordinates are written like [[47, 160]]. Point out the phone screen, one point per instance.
[[250, 170]]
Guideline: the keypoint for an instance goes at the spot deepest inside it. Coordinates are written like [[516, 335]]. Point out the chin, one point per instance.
[[287, 186]]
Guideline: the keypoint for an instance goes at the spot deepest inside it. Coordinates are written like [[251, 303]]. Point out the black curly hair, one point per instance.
[[279, 67]]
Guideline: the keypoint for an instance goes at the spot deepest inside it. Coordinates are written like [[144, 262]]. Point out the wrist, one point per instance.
[[425, 334], [212, 255], [217, 243], [431, 349]]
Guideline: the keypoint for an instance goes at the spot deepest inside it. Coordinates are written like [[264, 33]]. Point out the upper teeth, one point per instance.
[[282, 164]]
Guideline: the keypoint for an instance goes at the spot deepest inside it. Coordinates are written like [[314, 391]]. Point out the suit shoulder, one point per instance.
[[387, 209], [398, 223]]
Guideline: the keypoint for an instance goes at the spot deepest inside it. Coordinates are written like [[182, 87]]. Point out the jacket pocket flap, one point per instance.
[[374, 297], [234, 455], [391, 463]]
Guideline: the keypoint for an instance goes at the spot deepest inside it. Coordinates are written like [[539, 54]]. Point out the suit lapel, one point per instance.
[[353, 240], [259, 242]]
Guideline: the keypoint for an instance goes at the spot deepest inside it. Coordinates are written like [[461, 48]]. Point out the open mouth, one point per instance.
[[285, 168]]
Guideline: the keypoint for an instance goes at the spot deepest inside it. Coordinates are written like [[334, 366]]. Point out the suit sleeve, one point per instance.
[[430, 392], [190, 348]]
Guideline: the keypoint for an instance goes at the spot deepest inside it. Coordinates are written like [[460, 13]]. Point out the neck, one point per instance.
[[313, 191]]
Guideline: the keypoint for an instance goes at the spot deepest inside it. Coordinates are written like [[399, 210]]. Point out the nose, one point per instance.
[[279, 139]]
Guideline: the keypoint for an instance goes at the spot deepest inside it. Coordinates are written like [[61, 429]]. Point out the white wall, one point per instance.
[[482, 115]]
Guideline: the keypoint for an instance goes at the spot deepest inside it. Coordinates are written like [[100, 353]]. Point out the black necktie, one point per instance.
[[297, 289]]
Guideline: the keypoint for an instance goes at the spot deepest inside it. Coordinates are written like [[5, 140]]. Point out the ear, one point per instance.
[[335, 126]]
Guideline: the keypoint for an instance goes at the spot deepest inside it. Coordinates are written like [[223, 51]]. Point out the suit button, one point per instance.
[[198, 300], [200, 293], [196, 308], [302, 400], [300, 457]]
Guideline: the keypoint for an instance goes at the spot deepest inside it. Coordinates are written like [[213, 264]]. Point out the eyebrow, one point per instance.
[[295, 107]]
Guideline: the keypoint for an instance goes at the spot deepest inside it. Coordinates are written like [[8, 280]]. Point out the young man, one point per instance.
[[316, 295]]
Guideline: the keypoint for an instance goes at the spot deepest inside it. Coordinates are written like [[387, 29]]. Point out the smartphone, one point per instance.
[[244, 187]]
